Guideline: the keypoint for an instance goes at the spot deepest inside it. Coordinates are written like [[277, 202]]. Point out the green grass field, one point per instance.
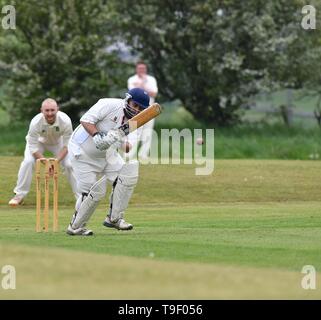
[[244, 232]]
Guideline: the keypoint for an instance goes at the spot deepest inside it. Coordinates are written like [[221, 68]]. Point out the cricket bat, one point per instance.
[[140, 119]]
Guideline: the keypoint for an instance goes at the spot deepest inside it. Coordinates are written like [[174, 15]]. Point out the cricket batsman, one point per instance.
[[94, 153]]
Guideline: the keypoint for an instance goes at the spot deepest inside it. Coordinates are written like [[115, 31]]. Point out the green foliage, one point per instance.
[[59, 50], [310, 64], [212, 55], [213, 62]]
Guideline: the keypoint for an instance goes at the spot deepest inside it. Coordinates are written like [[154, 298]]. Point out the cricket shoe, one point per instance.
[[79, 231], [16, 201], [120, 224]]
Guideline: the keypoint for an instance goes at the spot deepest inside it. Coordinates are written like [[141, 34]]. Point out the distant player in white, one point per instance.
[[50, 131], [96, 161], [148, 83]]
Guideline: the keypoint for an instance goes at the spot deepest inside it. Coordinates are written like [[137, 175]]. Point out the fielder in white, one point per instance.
[[50, 130], [148, 83], [94, 153]]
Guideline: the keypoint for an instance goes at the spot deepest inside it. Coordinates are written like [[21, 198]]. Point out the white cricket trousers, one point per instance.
[[88, 169], [25, 173], [146, 142]]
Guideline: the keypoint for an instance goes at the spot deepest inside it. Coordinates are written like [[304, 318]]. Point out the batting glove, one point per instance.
[[98, 138], [113, 137]]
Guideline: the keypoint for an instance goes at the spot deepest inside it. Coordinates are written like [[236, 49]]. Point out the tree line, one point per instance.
[[212, 55]]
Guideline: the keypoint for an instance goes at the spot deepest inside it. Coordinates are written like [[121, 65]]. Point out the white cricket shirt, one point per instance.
[[106, 114], [50, 134]]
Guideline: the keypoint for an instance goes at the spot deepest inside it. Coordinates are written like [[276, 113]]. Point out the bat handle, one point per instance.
[[124, 129]]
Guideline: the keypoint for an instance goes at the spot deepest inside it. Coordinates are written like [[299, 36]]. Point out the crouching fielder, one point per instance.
[[96, 161], [50, 130]]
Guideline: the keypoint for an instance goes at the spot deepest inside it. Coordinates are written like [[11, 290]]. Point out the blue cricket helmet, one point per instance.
[[139, 96]]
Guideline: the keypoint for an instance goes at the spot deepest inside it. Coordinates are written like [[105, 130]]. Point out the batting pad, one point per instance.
[[123, 190], [90, 203]]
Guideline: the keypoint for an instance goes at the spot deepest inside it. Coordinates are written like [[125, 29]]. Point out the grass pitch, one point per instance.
[[243, 233]]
